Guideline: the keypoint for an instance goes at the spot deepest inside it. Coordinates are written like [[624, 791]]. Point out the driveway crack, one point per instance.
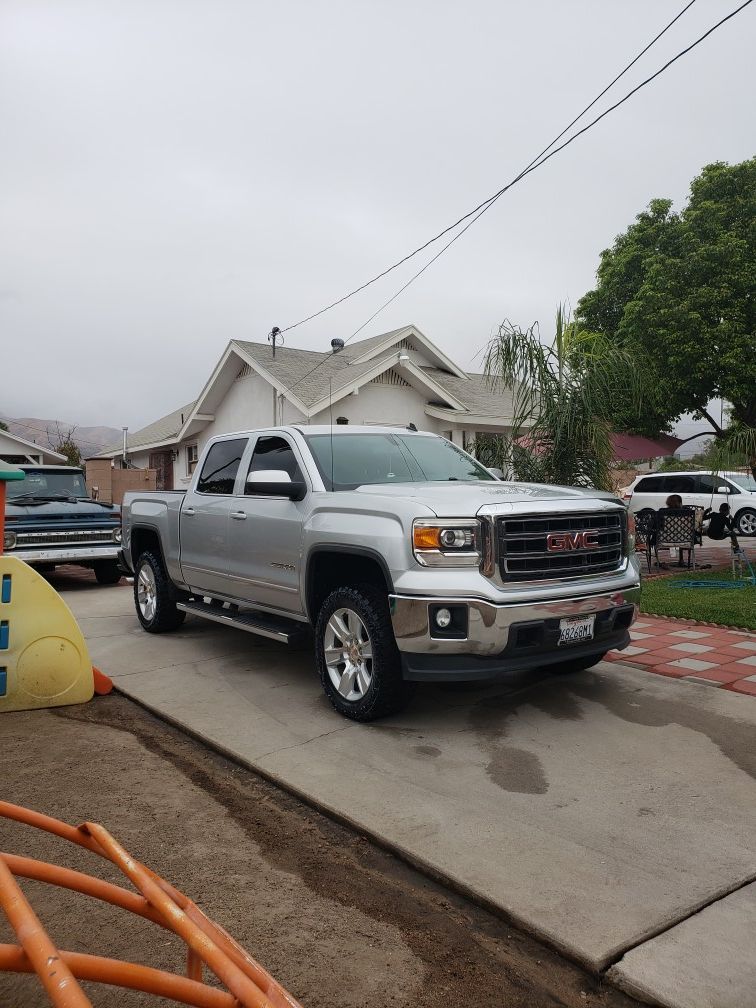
[[298, 745]]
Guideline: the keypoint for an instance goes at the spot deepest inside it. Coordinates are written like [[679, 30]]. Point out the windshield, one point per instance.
[[747, 483], [360, 459], [48, 483]]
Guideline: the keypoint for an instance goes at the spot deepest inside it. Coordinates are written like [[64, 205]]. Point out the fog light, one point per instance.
[[443, 618], [9, 540]]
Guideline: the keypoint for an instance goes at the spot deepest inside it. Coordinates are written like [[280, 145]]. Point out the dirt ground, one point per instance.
[[338, 921]]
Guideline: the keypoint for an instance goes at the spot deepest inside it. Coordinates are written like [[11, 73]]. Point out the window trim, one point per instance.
[[214, 493], [247, 467]]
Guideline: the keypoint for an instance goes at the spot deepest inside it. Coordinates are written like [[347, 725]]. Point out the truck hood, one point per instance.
[[457, 499], [84, 510]]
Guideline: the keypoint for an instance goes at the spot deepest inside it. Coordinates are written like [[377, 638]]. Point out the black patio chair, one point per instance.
[[676, 529], [645, 525]]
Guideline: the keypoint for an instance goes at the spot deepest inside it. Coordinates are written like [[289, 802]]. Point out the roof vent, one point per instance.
[[337, 345]]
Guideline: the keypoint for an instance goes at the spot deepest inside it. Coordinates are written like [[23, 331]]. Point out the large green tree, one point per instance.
[[678, 292]]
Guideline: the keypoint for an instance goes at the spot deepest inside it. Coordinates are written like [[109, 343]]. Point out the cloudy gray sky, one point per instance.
[[178, 173]]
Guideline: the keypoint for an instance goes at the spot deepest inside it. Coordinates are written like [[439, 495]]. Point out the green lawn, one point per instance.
[[730, 606]]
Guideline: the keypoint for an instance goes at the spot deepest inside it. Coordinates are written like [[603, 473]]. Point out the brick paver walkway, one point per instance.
[[687, 650]]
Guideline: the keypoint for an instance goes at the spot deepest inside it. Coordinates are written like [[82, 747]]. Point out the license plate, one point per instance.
[[574, 629]]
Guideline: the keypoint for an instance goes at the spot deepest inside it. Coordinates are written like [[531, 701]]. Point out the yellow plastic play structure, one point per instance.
[[44, 661]]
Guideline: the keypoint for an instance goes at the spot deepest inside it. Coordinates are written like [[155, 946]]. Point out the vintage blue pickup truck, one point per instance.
[[50, 520]]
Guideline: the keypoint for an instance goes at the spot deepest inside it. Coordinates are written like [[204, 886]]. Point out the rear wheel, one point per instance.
[[107, 572], [358, 660], [745, 523], [576, 664], [155, 597]]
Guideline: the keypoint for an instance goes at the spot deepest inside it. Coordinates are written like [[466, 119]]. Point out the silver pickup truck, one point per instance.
[[411, 561]]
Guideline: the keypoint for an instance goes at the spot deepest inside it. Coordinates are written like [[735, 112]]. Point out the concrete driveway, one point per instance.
[[601, 812]]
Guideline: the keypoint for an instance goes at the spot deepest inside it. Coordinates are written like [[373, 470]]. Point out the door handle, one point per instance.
[[188, 511], [239, 515]]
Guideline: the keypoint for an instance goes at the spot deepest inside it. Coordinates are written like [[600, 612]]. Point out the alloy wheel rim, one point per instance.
[[748, 524], [348, 654], [147, 593]]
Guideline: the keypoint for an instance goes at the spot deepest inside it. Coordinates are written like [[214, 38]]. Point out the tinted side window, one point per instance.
[[650, 484], [709, 484], [274, 453], [680, 484], [221, 466]]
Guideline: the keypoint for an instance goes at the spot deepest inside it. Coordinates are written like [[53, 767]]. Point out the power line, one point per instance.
[[478, 211], [483, 207], [491, 199]]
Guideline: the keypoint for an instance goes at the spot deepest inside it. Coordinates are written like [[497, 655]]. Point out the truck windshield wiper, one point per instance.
[[40, 497]]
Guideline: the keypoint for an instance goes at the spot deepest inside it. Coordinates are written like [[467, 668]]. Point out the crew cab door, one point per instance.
[[204, 518], [265, 533]]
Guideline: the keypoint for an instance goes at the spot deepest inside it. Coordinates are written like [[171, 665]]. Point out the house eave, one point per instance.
[[477, 420], [412, 330], [135, 449], [428, 385]]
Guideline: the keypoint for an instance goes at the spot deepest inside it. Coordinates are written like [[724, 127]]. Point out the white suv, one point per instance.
[[698, 489]]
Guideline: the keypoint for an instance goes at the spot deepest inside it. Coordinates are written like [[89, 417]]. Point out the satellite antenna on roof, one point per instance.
[[274, 337]]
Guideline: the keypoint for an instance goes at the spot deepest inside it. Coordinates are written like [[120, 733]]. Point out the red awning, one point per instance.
[[635, 448], [627, 447]]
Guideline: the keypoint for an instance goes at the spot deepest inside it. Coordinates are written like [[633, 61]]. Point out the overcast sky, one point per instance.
[[178, 173]]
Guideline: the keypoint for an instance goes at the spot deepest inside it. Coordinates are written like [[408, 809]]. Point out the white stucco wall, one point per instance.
[[387, 404], [248, 405]]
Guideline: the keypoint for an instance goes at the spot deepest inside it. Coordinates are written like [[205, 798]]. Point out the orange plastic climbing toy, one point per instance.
[[248, 984]]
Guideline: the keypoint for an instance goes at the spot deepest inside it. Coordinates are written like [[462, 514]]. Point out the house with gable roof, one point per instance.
[[396, 378]]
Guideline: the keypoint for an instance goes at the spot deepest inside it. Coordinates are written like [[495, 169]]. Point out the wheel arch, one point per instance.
[[331, 566], [144, 539]]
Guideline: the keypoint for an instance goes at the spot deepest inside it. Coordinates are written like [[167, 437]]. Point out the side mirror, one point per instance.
[[274, 483], [495, 471], [723, 489]]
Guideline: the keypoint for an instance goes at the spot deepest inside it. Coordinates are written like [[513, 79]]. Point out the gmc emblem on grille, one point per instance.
[[563, 542]]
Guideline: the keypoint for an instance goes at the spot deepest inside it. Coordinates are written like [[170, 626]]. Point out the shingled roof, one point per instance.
[[311, 376], [159, 432]]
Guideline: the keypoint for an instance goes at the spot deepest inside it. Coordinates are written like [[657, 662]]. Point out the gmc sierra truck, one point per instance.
[[409, 559], [50, 519]]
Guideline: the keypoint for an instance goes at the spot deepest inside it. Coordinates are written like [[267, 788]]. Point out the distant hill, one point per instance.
[[91, 440]]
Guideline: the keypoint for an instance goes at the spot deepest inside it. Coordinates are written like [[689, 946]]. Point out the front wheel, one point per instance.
[[107, 572], [358, 660], [155, 596], [746, 522]]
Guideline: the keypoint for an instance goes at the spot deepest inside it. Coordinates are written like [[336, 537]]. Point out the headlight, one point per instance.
[[630, 534], [117, 534], [454, 543], [9, 541]]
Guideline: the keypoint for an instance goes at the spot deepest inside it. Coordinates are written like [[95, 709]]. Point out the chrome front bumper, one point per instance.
[[485, 652], [69, 555]]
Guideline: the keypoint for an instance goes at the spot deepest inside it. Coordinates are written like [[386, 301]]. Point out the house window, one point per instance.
[[191, 458]]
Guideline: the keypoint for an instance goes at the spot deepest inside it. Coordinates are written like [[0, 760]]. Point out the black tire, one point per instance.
[[576, 664], [387, 691], [745, 523], [107, 572], [161, 616]]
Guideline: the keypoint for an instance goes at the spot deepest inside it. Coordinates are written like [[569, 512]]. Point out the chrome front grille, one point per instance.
[[76, 537], [524, 553]]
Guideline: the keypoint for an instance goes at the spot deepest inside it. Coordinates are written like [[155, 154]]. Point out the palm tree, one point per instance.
[[562, 396]]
